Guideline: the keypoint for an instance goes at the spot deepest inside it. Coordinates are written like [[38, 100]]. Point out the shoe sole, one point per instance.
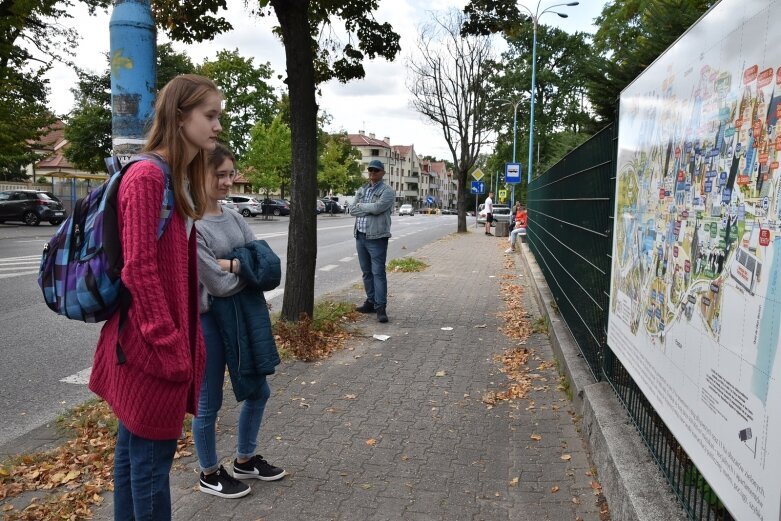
[[256, 476], [213, 492]]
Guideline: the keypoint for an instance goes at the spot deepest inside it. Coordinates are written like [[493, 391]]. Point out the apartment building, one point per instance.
[[414, 180]]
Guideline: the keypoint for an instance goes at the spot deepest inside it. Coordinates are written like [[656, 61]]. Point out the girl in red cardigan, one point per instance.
[[159, 380]]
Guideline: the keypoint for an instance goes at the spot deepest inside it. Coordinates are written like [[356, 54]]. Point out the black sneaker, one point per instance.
[[382, 316], [222, 484], [366, 307], [257, 468]]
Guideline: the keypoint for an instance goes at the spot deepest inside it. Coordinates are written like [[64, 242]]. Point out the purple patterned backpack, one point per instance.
[[81, 265]]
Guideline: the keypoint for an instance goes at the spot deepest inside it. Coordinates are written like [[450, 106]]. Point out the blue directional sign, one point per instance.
[[512, 173], [430, 200], [478, 187]]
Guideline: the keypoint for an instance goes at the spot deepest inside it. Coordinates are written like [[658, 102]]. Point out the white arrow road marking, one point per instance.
[[80, 378]]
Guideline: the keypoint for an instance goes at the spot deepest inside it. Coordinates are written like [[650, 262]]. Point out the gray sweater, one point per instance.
[[217, 236]]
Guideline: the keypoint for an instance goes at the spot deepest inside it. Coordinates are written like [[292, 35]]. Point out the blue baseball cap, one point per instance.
[[376, 163]]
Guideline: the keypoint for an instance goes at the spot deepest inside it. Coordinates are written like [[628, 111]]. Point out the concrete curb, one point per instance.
[[634, 486]]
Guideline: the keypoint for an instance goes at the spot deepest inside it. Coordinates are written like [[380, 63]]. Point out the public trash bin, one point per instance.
[[502, 229]]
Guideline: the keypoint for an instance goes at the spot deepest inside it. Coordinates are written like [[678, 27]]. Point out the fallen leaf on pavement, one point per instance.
[[440, 373], [554, 489], [349, 397], [514, 481], [566, 457], [536, 437], [371, 442]]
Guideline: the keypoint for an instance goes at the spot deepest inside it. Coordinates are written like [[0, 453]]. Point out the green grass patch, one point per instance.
[[407, 265], [540, 325]]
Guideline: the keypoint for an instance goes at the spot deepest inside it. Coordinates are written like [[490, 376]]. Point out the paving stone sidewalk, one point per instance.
[[438, 452]]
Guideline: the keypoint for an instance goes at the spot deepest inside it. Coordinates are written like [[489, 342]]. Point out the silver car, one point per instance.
[[501, 213], [247, 206]]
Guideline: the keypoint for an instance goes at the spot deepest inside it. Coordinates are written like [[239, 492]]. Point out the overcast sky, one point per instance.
[[379, 103]]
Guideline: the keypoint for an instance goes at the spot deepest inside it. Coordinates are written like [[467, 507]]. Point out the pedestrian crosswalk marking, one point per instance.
[[19, 274]]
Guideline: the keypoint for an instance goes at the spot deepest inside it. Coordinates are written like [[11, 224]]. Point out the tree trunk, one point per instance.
[[293, 17], [461, 200]]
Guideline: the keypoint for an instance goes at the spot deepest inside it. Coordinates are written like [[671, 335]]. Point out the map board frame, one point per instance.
[[695, 297]]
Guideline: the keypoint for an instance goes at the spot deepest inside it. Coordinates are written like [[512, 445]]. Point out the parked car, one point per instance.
[[406, 209], [331, 206], [30, 207], [227, 203], [448, 211], [274, 207], [501, 213], [247, 206]]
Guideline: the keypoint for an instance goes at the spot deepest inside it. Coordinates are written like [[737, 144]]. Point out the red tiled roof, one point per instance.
[[361, 140], [51, 137], [56, 160], [402, 150]]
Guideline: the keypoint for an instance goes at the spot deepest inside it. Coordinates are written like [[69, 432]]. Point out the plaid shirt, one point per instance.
[[367, 198]]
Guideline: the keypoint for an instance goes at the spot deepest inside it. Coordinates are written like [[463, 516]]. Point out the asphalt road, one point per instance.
[[45, 359]]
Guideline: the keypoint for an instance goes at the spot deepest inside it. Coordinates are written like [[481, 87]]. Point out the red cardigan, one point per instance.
[[161, 338]]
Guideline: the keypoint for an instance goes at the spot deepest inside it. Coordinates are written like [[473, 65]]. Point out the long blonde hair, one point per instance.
[[179, 96]]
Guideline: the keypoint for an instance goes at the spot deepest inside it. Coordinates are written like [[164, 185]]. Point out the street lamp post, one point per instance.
[[515, 130], [535, 18]]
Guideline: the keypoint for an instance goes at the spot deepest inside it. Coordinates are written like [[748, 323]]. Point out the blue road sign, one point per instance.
[[478, 187], [512, 173], [430, 200]]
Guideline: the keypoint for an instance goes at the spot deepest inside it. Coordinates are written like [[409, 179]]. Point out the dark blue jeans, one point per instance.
[[141, 469], [371, 256]]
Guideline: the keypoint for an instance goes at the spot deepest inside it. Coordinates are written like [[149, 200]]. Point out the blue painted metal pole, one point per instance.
[[133, 74], [531, 110]]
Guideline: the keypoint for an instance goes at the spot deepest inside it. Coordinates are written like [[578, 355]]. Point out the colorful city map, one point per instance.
[[698, 214]]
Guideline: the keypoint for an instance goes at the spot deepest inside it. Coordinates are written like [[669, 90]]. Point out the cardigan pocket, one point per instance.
[[171, 362]]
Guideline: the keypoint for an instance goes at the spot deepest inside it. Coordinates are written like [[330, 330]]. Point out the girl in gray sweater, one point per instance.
[[219, 232]]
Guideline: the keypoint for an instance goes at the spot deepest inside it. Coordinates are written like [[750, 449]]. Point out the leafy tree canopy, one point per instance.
[[338, 168], [249, 99], [267, 161]]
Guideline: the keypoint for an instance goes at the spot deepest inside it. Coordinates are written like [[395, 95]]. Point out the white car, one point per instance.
[[406, 209]]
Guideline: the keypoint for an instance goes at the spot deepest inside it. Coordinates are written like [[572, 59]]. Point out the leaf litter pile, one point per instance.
[[516, 326], [310, 340], [66, 482]]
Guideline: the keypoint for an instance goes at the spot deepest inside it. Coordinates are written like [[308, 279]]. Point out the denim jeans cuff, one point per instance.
[[244, 456], [210, 470]]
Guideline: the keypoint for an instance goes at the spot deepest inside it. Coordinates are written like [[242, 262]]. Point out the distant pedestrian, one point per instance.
[[220, 232], [520, 226], [150, 356], [372, 211], [489, 212]]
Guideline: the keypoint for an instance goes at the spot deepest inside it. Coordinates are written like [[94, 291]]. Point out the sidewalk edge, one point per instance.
[[633, 484]]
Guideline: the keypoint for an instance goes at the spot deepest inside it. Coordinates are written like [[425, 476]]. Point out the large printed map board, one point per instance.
[[695, 307]]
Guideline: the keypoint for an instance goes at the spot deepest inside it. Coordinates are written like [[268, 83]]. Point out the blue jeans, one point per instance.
[[210, 402], [371, 256], [141, 468]]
